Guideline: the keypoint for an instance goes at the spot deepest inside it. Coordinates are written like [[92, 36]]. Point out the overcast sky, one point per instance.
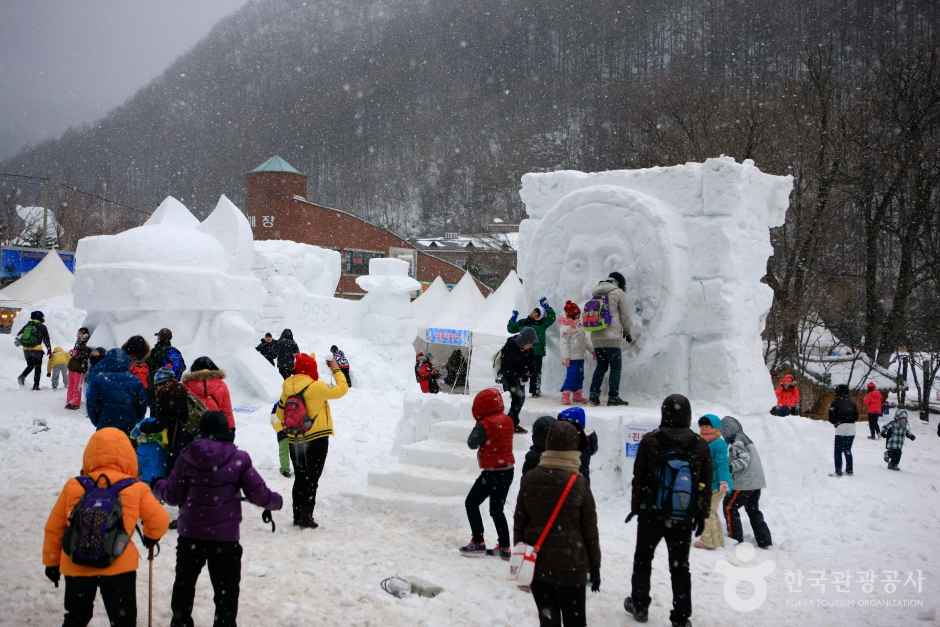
[[64, 62]]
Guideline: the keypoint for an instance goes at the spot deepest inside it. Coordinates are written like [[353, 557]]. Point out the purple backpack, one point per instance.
[[96, 535], [595, 316]]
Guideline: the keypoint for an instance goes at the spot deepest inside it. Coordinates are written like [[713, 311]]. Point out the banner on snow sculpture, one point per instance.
[[448, 337]]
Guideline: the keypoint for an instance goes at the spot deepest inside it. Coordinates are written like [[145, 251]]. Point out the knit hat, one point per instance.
[[540, 430], [305, 364], [676, 412], [618, 278], [214, 425], [571, 309], [710, 420], [562, 436], [163, 375], [787, 379], [871, 385], [574, 415], [527, 336], [37, 315], [203, 363]]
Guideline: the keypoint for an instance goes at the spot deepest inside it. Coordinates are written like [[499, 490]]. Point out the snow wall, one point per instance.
[[692, 242]]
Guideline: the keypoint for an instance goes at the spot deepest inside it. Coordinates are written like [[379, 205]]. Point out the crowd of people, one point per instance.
[[165, 437]]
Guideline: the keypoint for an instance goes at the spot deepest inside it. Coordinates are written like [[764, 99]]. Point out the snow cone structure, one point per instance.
[[692, 242], [175, 272]]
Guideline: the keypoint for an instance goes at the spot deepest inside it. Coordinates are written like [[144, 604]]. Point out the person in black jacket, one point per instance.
[[268, 348], [843, 414], [673, 440], [539, 433], [286, 349], [515, 369], [31, 339]]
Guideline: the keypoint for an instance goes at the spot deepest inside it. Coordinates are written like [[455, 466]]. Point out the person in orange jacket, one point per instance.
[[873, 403], [788, 397], [109, 458]]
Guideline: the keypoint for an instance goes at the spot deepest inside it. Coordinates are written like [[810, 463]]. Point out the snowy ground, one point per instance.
[[823, 527]]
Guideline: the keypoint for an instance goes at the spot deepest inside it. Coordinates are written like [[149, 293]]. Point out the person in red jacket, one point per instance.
[[492, 439], [873, 402], [788, 397], [206, 382]]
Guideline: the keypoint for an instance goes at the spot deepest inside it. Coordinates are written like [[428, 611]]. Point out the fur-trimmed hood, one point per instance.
[[203, 375]]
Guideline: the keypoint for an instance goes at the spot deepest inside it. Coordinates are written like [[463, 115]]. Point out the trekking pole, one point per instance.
[[150, 589]]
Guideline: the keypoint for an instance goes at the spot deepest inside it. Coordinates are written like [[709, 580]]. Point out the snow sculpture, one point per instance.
[[692, 242], [387, 319], [300, 281], [175, 272]]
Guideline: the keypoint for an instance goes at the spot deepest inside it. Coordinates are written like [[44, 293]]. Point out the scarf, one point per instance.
[[561, 460]]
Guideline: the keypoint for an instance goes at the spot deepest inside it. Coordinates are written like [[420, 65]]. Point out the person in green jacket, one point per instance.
[[540, 324]]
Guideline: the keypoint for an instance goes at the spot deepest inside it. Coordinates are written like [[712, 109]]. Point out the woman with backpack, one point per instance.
[[31, 339], [571, 549], [207, 483], [206, 382], [304, 413], [76, 547], [77, 367], [607, 318]]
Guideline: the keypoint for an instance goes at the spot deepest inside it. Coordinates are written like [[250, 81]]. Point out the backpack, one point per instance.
[[141, 370], [96, 535], [595, 316], [674, 499], [195, 409], [28, 335], [296, 420]]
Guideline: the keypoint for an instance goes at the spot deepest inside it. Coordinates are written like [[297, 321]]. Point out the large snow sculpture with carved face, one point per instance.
[[175, 272], [692, 242]]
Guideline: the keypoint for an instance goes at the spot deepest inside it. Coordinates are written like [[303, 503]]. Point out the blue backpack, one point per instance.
[[595, 316], [96, 535], [673, 498]]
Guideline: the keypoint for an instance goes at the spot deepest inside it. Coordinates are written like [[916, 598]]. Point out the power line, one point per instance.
[[46, 179]]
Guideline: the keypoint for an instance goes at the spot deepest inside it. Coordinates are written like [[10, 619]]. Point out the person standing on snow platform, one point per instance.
[[514, 371], [31, 339], [540, 324], [608, 338]]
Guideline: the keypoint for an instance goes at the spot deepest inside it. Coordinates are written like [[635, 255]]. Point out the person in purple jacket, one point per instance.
[[207, 483]]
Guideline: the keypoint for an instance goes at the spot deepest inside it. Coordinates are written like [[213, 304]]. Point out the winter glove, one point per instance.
[[52, 574], [912, 436], [699, 527], [48, 375], [596, 580], [149, 543], [515, 314], [266, 517], [544, 303], [628, 337]]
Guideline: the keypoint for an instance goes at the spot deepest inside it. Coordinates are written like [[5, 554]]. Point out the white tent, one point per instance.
[[465, 309], [432, 301], [49, 279]]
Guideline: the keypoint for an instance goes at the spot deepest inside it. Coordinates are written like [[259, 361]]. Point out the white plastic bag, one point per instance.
[[522, 564]]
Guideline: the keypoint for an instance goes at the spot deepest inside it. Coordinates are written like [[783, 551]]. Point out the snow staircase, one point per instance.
[[436, 471]]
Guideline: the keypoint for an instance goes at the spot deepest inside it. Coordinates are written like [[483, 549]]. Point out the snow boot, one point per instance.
[[893, 468], [306, 523], [595, 401], [616, 401], [640, 616], [473, 549], [682, 623], [285, 472], [566, 398], [579, 398], [520, 429], [21, 381], [835, 474], [849, 473], [504, 552]]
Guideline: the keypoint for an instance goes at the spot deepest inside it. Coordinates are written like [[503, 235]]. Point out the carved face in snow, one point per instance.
[[575, 248]]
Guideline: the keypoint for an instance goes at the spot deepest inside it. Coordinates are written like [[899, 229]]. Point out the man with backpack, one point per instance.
[[94, 555], [540, 323], [304, 412], [31, 339], [671, 496], [164, 354], [606, 317]]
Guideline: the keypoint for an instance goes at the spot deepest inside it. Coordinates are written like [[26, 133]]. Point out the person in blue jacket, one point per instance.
[[709, 427], [115, 397]]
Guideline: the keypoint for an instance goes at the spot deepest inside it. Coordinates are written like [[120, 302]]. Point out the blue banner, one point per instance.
[[448, 337], [16, 261]]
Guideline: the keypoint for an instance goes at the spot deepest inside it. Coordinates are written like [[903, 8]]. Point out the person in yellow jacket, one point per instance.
[[57, 366], [109, 459], [308, 447]]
